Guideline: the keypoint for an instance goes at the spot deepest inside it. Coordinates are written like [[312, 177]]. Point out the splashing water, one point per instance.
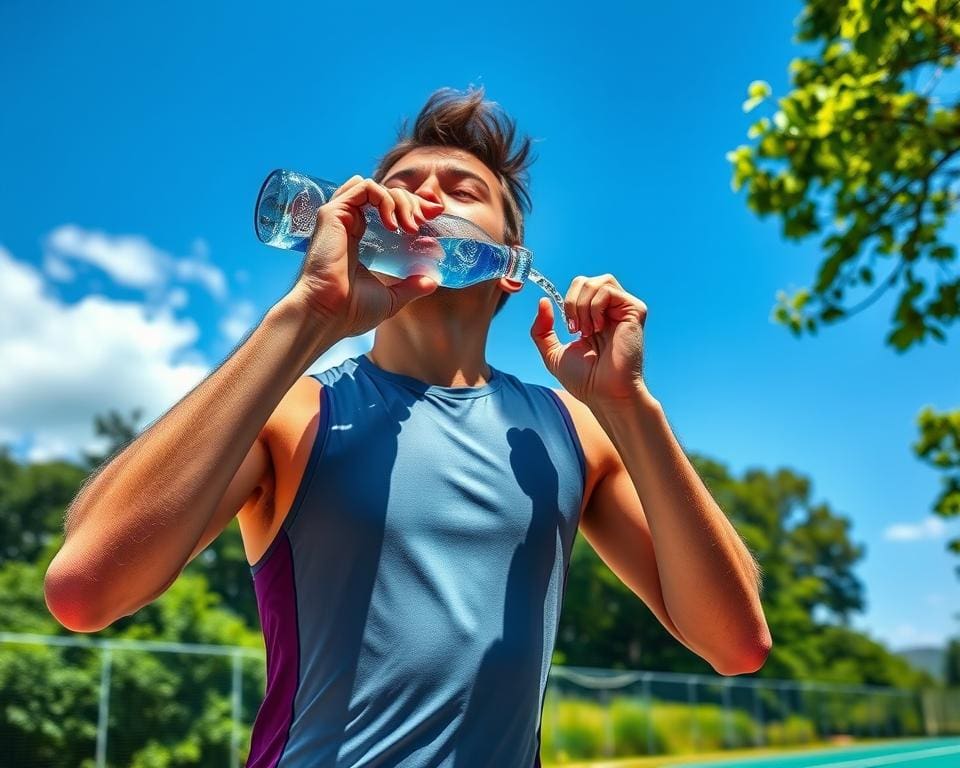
[[549, 289]]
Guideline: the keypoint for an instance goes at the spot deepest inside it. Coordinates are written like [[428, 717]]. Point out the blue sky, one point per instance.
[[134, 141]]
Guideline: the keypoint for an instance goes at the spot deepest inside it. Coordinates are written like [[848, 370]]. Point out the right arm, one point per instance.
[[135, 524]]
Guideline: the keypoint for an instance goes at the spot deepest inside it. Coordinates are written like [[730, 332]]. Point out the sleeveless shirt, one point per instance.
[[411, 598]]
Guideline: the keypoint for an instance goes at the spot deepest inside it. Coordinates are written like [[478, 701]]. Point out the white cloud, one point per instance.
[[205, 274], [907, 635], [130, 260], [348, 347], [238, 321], [930, 528], [178, 298], [244, 315], [67, 363], [58, 269]]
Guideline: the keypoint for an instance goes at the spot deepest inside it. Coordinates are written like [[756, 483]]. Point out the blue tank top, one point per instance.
[[410, 600]]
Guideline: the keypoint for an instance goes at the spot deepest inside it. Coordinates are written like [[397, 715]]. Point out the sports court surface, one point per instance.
[[924, 753], [927, 753]]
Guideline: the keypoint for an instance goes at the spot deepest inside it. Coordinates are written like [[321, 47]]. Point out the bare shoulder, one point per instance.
[[288, 434], [301, 398], [290, 430], [598, 450]]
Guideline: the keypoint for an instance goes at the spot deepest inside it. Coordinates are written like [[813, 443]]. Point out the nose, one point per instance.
[[428, 191]]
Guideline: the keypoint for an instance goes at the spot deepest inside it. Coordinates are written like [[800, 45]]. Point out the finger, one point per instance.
[[369, 191], [545, 338], [409, 289], [404, 209], [624, 306], [352, 181], [431, 208], [608, 278], [421, 207], [598, 306], [426, 208], [584, 299], [570, 302]]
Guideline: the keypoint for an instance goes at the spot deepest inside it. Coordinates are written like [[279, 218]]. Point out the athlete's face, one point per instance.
[[458, 179], [454, 177]]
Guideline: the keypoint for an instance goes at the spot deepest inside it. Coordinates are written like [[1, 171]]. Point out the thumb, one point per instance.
[[410, 288], [545, 337]]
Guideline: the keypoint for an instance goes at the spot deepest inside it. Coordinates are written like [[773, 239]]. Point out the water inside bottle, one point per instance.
[[453, 262]]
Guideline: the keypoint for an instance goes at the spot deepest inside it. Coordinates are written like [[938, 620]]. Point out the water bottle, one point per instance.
[[451, 250]]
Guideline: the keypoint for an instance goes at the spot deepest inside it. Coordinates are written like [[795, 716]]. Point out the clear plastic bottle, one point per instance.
[[449, 249]]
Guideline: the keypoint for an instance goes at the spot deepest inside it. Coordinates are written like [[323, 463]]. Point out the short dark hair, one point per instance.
[[468, 121]]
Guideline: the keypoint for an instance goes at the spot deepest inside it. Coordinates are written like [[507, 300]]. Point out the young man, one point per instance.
[[409, 513]]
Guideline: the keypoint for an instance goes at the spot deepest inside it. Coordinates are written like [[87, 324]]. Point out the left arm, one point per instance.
[[708, 580]]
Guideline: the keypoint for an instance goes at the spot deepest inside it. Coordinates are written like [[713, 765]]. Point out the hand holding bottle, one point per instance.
[[333, 285]]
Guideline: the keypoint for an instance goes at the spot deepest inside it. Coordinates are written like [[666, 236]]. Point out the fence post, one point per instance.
[[728, 713], [814, 708], [758, 714], [237, 713], [648, 703], [785, 714], [608, 745], [695, 721], [557, 732], [103, 714]]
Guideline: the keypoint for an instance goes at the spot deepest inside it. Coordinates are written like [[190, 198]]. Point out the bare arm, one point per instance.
[[134, 524], [709, 580]]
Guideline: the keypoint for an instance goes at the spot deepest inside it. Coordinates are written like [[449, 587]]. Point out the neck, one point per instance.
[[436, 342]]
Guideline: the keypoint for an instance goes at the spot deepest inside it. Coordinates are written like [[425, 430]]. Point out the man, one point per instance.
[[409, 513]]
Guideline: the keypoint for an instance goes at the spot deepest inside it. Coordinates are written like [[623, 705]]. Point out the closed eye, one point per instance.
[[464, 192]]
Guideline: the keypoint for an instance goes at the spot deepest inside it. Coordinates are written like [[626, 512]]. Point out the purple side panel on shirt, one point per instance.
[[277, 603]]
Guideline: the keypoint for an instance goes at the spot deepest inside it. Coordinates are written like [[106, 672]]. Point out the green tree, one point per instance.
[[809, 591], [863, 152], [33, 499], [118, 431], [223, 563], [167, 709], [951, 664]]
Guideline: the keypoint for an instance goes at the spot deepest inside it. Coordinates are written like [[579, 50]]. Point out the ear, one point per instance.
[[509, 285]]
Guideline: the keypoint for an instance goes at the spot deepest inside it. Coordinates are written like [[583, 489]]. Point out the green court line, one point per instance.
[[868, 753], [933, 753]]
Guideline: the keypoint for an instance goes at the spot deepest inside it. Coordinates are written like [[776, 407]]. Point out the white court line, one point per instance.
[[868, 762]]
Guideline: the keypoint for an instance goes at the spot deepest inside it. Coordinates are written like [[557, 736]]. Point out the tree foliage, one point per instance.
[[857, 153], [863, 153], [809, 592], [175, 709]]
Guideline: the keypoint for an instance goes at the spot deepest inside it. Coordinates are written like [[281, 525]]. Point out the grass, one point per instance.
[[655, 761]]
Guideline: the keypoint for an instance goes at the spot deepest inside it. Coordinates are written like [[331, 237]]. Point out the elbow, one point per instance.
[[69, 602], [749, 661]]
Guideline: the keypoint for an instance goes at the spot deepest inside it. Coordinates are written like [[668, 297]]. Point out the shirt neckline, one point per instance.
[[425, 388]]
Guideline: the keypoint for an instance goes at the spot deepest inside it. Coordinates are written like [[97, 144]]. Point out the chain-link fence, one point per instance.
[[84, 702]]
